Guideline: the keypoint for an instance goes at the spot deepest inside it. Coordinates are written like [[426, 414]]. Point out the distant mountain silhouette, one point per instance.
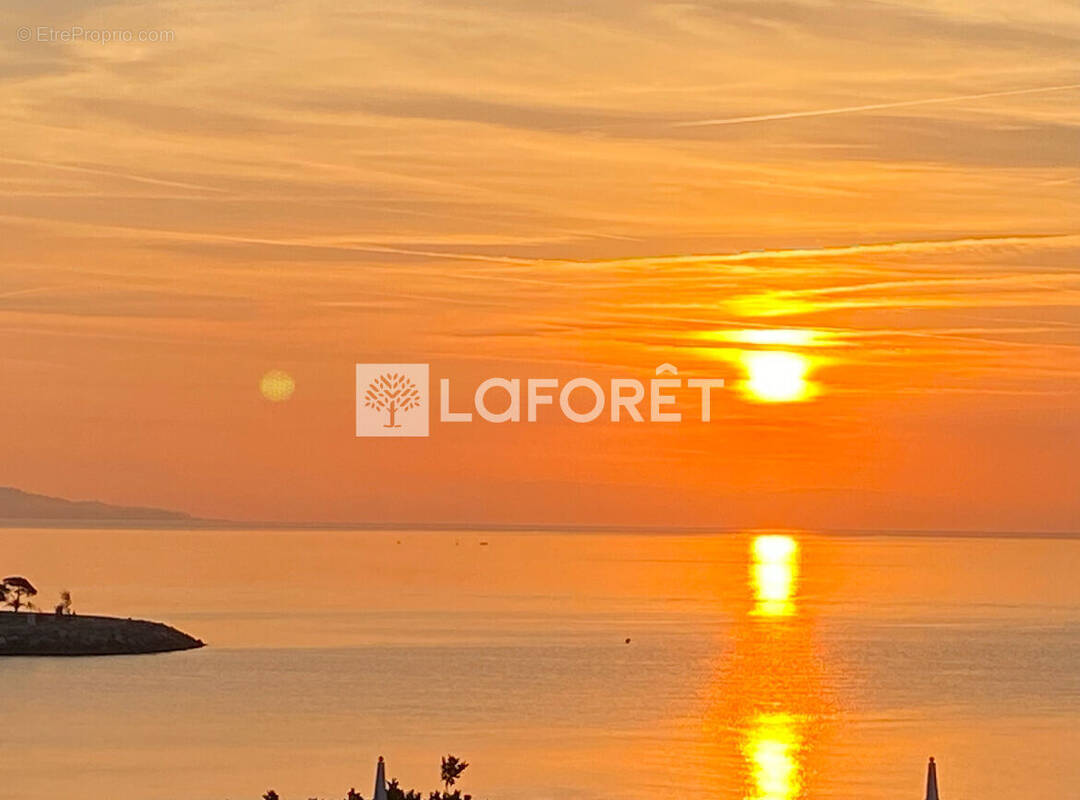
[[16, 504]]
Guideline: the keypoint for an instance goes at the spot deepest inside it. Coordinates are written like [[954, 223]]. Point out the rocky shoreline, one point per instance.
[[34, 634]]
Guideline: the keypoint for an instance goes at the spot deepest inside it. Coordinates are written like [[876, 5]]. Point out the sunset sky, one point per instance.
[[544, 189]]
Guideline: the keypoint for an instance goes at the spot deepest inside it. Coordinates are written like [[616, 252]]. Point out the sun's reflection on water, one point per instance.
[[771, 694], [773, 748], [774, 572], [773, 741]]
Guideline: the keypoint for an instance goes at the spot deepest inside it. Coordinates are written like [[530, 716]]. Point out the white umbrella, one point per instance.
[[931, 781], [380, 781]]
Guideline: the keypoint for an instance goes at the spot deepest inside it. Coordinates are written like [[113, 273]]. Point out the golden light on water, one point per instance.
[[770, 698], [773, 749], [774, 573], [277, 386], [776, 376]]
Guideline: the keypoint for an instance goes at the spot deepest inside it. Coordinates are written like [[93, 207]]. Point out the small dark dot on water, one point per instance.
[[628, 640]]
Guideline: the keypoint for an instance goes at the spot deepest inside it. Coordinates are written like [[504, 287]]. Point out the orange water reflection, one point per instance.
[[770, 697], [773, 747], [774, 571]]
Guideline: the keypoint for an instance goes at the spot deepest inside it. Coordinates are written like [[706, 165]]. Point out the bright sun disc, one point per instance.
[[776, 376]]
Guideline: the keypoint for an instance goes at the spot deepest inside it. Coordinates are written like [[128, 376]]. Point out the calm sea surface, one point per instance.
[[759, 666]]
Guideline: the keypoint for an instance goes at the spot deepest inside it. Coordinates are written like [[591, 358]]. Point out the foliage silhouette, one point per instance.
[[395, 792], [17, 592], [452, 767]]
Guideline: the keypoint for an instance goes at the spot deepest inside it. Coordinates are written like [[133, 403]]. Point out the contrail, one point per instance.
[[825, 112], [108, 173], [914, 246]]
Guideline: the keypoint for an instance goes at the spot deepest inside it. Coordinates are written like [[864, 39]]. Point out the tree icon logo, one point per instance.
[[392, 399], [393, 393]]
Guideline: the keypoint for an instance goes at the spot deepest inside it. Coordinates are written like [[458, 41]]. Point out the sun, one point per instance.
[[776, 376], [277, 386]]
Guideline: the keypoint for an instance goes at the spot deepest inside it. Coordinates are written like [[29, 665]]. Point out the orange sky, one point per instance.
[[528, 189]]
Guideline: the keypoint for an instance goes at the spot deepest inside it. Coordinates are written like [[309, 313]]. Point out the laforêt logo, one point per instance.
[[392, 400], [392, 392]]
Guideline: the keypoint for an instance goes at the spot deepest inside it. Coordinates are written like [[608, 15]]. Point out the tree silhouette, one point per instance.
[[395, 792], [452, 767], [392, 392], [17, 591]]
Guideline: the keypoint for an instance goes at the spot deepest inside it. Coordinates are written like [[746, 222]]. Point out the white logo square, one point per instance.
[[392, 400]]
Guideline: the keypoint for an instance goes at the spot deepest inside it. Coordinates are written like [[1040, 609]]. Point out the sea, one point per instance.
[[758, 665]]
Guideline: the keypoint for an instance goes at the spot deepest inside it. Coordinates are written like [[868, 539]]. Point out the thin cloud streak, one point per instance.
[[22, 162], [919, 246], [827, 112]]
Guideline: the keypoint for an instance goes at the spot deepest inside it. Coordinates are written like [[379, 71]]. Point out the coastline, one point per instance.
[[52, 635]]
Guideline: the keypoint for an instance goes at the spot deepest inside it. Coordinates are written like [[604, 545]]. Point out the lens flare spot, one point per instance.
[[277, 386]]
